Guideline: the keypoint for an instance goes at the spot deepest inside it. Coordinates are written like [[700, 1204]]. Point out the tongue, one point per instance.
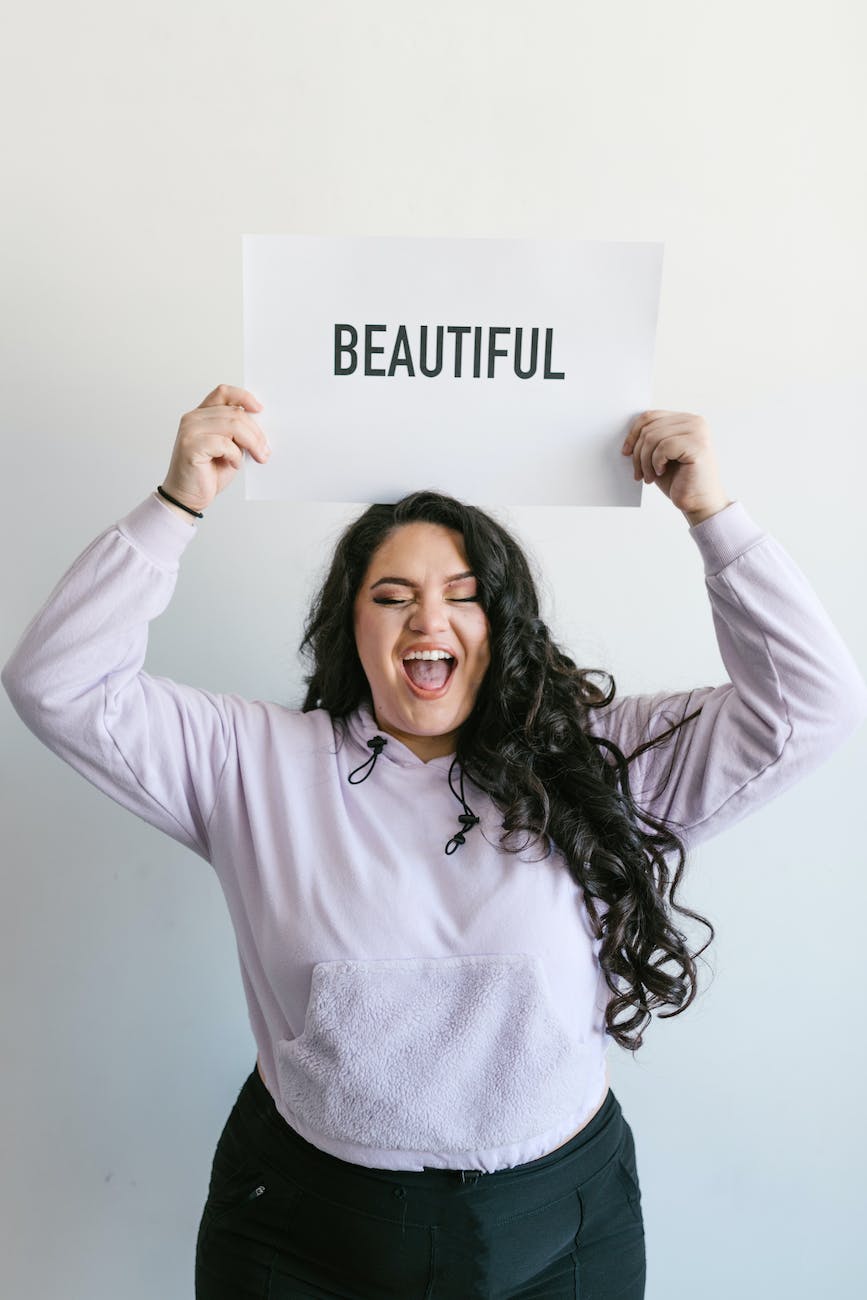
[[429, 674]]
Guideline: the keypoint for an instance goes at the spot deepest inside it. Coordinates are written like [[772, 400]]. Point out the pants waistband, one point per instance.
[[541, 1181]]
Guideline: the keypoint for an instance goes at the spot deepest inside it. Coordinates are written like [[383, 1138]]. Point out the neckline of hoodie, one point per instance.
[[363, 725]]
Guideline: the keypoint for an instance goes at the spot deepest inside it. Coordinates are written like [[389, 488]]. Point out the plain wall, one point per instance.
[[142, 141]]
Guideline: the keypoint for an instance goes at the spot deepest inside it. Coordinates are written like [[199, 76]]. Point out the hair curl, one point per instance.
[[525, 744]]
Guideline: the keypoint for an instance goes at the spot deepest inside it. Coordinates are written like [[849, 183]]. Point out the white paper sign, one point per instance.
[[499, 371]]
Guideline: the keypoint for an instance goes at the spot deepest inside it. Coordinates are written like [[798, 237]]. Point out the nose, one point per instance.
[[429, 614]]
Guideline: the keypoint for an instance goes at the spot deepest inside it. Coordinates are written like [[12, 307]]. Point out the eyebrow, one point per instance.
[[405, 582]]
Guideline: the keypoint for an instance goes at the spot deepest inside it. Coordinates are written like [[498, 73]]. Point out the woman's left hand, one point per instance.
[[673, 449]]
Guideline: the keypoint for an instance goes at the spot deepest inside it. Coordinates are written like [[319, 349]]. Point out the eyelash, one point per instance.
[[455, 600]]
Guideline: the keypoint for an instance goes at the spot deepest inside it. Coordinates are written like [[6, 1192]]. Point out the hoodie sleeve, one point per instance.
[[75, 678], [794, 695]]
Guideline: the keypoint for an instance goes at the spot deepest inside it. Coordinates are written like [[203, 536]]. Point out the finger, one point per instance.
[[645, 449], [657, 419], [223, 448], [635, 428], [677, 447], [235, 423], [651, 450], [660, 457], [667, 450], [659, 426], [642, 451], [227, 395], [633, 447], [648, 446], [225, 417]]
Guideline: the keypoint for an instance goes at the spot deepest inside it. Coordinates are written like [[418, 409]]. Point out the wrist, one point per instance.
[[694, 517], [176, 503], [176, 510]]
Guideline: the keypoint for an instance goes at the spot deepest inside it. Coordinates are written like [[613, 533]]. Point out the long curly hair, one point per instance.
[[526, 745]]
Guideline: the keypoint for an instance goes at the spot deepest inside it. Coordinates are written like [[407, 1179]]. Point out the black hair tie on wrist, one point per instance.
[[180, 504]]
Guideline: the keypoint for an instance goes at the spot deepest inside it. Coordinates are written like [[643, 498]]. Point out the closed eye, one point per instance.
[[453, 600]]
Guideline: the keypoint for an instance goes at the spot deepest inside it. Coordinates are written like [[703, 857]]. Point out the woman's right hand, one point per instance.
[[210, 446]]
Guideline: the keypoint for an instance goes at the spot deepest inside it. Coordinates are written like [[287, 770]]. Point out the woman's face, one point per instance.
[[422, 637]]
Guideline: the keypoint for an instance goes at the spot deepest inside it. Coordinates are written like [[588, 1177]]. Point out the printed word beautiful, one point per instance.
[[484, 354]]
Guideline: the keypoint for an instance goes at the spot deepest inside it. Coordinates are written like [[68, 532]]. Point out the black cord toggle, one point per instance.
[[459, 838], [467, 818], [377, 744]]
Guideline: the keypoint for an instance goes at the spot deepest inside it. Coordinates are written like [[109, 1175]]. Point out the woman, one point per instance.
[[452, 875]]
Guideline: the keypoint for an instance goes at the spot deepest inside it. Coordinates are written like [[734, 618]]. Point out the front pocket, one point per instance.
[[630, 1187], [450, 1055], [234, 1194], [627, 1170], [239, 1176]]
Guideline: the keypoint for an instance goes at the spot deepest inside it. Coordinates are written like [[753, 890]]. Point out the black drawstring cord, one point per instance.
[[377, 744], [467, 819]]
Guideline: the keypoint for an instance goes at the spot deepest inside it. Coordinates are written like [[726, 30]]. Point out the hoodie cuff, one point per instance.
[[156, 531], [725, 536]]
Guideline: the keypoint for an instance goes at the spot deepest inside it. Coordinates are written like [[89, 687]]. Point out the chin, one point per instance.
[[433, 727], [426, 727]]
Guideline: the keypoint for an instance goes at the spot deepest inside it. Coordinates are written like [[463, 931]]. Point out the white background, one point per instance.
[[142, 141]]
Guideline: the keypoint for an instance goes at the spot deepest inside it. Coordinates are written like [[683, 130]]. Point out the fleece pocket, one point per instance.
[[447, 1055]]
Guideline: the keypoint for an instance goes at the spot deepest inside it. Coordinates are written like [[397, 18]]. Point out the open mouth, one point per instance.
[[428, 671]]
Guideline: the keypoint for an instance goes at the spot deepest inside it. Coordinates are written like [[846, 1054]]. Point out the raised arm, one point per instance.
[[795, 692], [76, 678]]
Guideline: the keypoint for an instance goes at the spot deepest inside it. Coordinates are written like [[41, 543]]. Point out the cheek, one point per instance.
[[363, 642], [373, 644], [483, 651]]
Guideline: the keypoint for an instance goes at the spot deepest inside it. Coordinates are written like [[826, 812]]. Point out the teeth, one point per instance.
[[428, 654]]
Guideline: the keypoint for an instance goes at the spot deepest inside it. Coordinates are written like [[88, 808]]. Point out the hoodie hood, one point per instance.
[[362, 727]]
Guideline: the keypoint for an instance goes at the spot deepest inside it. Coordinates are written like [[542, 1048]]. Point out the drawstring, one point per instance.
[[377, 744], [467, 819]]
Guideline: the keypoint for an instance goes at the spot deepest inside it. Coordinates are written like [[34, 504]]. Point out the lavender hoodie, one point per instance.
[[413, 1008]]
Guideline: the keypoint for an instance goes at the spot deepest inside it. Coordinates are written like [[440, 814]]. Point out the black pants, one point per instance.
[[284, 1219]]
